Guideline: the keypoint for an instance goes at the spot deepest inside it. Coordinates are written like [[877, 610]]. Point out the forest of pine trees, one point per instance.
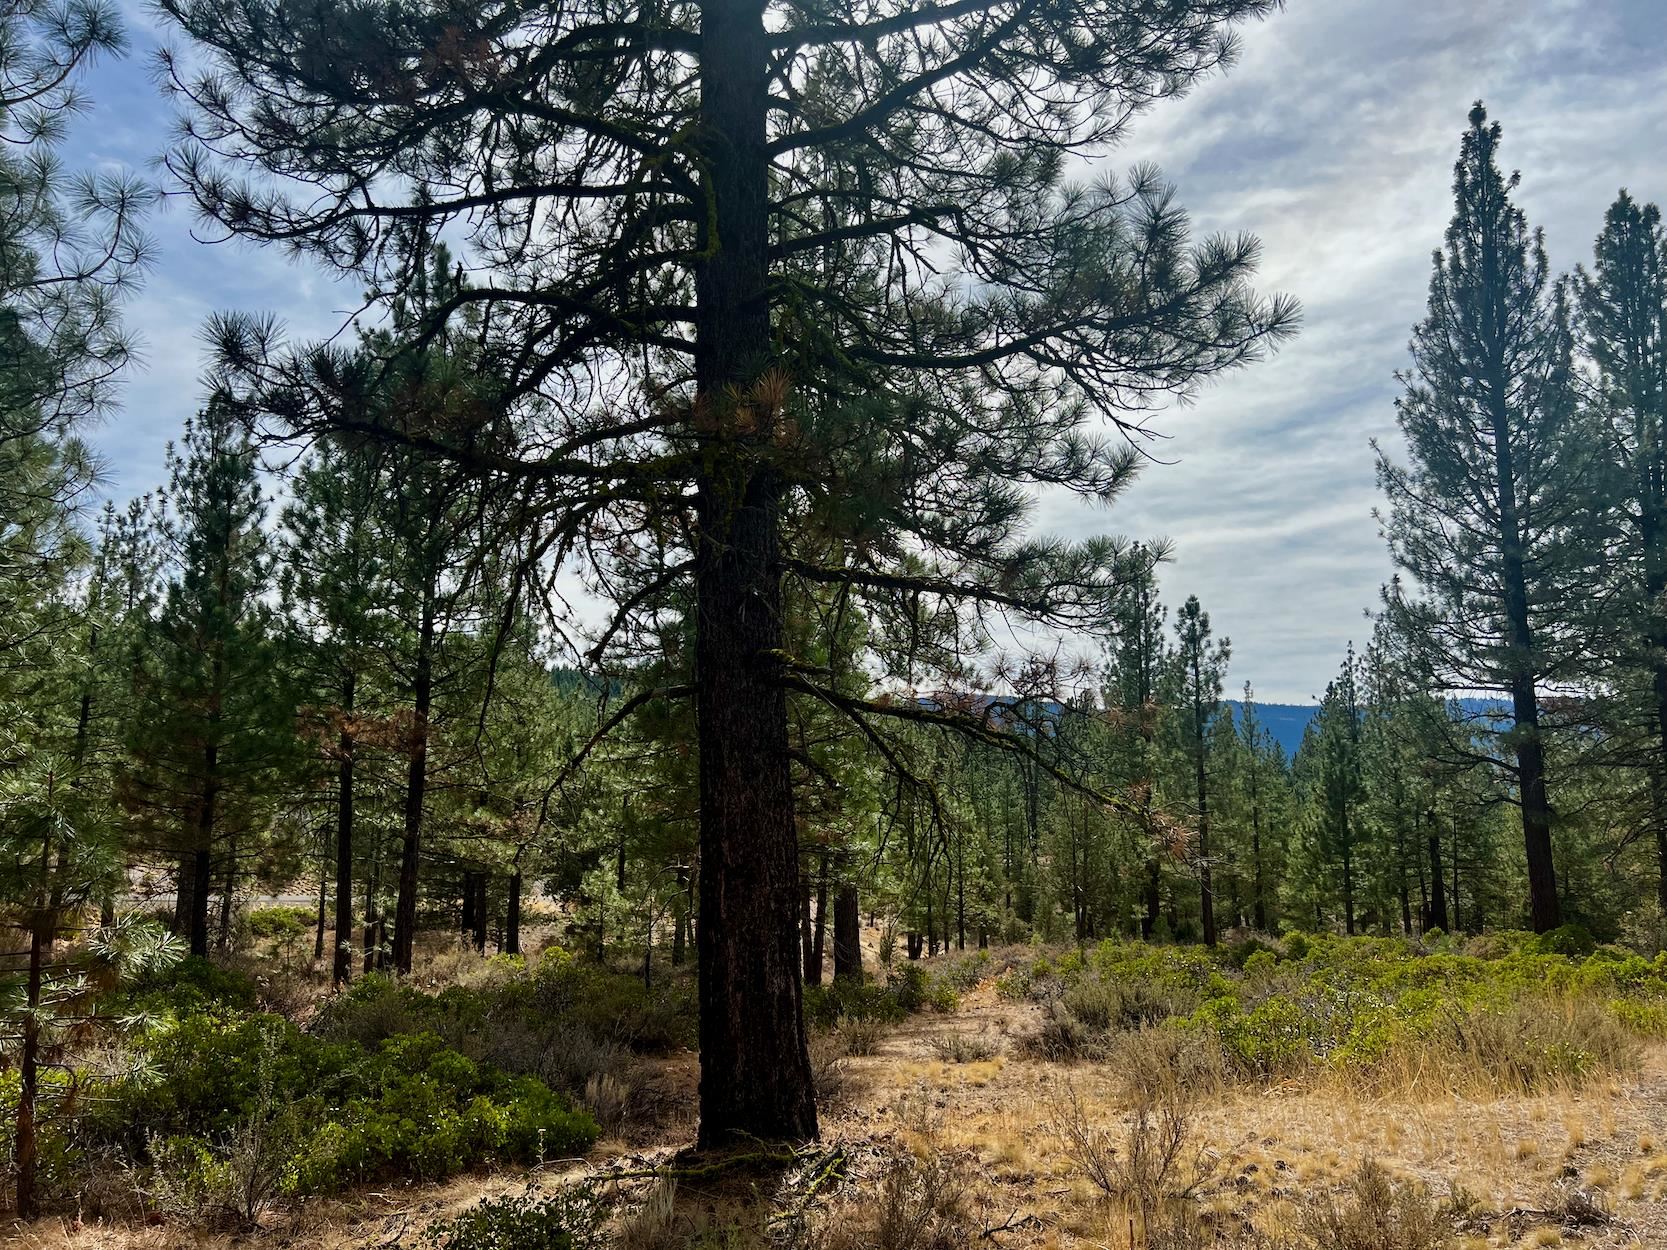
[[646, 555]]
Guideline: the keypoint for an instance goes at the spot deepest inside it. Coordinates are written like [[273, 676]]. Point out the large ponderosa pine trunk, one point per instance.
[[755, 1067]]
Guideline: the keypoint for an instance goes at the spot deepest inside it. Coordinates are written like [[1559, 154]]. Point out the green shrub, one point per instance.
[[563, 1021], [965, 971], [915, 989], [568, 1219], [1569, 939], [911, 989], [192, 984], [1504, 1013], [1014, 985], [848, 999], [1241, 952], [411, 1106], [205, 1072], [279, 922]]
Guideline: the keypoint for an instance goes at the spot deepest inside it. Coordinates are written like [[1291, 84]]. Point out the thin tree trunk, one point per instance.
[[847, 934], [1659, 647], [1401, 873], [1530, 749], [29, 1079], [483, 883], [512, 916], [323, 897], [373, 890], [1206, 890], [680, 919], [196, 899], [201, 887], [1348, 877], [807, 942], [1152, 894], [28, 1148], [819, 935], [416, 786], [185, 883], [346, 746], [1456, 912], [228, 896]]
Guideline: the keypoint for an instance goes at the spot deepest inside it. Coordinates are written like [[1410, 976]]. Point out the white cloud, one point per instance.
[[1333, 140]]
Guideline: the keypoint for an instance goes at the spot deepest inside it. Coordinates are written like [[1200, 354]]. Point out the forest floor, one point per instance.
[[1577, 1167]]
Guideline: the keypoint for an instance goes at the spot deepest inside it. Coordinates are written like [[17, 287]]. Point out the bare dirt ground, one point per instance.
[[1265, 1150]]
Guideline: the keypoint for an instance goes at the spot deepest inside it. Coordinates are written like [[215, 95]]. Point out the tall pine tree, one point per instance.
[[1491, 515], [212, 724], [1623, 301], [1201, 665], [719, 317]]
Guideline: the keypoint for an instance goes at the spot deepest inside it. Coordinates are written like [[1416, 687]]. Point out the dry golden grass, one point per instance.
[[984, 1138]]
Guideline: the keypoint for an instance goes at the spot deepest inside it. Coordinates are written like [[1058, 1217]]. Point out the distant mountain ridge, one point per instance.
[[1287, 722]]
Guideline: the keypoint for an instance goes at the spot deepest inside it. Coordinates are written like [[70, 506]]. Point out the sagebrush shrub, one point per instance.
[[569, 1218]]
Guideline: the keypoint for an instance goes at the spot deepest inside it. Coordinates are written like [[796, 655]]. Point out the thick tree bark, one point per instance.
[[345, 745], [416, 786], [755, 1065], [847, 934]]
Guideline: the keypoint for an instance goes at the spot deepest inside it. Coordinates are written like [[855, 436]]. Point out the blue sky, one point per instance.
[[1333, 140]]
